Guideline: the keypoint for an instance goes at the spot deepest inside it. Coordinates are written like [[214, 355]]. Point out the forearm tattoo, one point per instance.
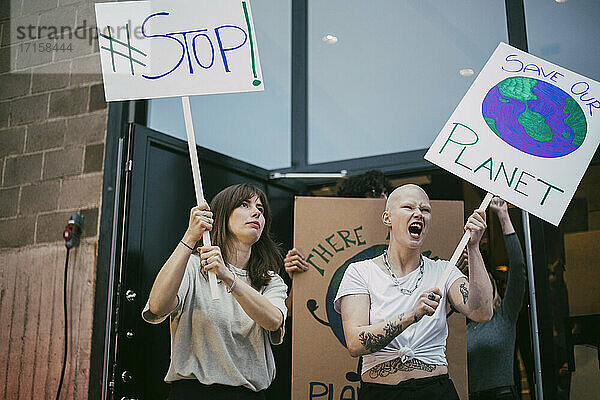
[[464, 291], [391, 367], [375, 342]]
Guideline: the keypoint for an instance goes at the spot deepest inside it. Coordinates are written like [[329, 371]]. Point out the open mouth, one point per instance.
[[415, 229]]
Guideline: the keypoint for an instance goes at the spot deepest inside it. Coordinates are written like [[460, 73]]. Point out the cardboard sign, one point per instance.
[[161, 48], [332, 233], [526, 131]]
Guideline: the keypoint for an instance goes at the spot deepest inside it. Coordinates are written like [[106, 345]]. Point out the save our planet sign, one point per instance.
[[526, 131]]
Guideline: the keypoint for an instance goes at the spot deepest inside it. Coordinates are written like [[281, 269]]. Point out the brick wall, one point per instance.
[[32, 321], [52, 134]]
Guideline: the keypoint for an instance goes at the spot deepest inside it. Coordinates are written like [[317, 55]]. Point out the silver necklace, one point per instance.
[[396, 280]]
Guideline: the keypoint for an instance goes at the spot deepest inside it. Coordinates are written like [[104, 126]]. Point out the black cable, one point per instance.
[[66, 338]]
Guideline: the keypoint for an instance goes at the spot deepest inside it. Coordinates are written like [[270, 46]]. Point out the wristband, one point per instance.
[[233, 284], [186, 245]]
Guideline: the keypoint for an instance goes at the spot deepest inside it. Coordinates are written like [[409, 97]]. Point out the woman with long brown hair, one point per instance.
[[221, 349]]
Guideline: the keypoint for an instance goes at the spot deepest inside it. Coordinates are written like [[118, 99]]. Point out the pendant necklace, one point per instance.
[[396, 280]]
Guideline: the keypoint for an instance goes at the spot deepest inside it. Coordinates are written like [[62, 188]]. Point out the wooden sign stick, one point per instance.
[[461, 245], [191, 139]]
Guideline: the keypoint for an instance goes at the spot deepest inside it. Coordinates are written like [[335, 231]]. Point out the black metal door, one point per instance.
[[161, 192]]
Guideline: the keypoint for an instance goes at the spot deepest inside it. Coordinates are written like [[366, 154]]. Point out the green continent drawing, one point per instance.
[[535, 117]]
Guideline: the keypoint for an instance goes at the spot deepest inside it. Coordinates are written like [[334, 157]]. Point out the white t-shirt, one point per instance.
[[424, 340], [215, 341]]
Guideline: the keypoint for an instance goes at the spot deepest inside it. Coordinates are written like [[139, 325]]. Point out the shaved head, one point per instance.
[[399, 193]]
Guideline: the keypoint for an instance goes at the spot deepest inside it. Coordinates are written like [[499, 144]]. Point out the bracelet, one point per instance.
[[233, 284], [186, 245]]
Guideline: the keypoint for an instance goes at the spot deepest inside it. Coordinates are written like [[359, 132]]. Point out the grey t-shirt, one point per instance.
[[215, 341]]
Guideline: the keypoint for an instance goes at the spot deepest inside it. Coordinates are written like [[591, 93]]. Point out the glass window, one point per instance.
[[253, 127], [385, 77], [565, 33], [572, 254]]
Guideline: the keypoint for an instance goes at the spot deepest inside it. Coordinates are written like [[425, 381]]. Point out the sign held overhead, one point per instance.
[[526, 131], [159, 48]]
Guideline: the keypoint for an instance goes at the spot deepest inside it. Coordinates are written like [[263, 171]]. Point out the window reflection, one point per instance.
[[573, 273], [392, 75]]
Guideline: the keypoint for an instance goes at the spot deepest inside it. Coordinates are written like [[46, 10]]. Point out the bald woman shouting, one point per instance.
[[394, 316]]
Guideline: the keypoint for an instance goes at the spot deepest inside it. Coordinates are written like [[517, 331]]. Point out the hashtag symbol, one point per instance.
[[127, 45]]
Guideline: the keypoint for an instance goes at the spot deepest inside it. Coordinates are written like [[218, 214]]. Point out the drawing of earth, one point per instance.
[[534, 117]]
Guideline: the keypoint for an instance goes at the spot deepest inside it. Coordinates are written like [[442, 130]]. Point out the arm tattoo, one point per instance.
[[391, 367], [375, 342], [464, 291]]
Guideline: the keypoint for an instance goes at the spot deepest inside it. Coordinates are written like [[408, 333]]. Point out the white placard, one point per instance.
[[161, 48], [526, 131]]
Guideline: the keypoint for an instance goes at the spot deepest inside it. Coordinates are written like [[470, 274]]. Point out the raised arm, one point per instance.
[[513, 298], [362, 338], [163, 296], [473, 297], [294, 262], [500, 208]]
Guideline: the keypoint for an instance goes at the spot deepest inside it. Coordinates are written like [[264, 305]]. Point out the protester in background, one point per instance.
[[222, 349], [390, 304], [491, 345], [371, 184]]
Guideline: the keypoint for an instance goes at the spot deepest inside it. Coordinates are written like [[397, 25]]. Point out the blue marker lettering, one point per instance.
[[167, 37], [224, 50]]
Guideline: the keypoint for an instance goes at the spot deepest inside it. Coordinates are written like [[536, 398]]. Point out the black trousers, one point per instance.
[[433, 388], [499, 393], [191, 389]]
